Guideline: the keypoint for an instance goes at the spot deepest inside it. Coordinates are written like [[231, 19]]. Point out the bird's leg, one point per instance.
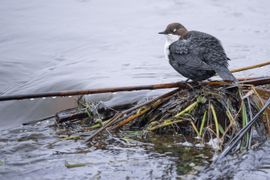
[[193, 84], [198, 84]]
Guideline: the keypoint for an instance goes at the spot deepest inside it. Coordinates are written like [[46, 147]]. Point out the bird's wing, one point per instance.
[[210, 50], [184, 55]]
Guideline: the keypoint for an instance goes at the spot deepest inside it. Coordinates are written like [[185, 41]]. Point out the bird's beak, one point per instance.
[[162, 32]]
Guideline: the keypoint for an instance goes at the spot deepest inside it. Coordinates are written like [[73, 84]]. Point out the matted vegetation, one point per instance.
[[202, 115]]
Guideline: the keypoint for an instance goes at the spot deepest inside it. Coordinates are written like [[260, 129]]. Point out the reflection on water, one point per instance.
[[78, 44]]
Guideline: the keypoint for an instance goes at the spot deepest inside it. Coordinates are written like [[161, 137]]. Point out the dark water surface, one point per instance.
[[79, 44]]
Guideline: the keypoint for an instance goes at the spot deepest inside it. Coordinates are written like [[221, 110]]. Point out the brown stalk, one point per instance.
[[130, 118], [250, 67], [181, 85]]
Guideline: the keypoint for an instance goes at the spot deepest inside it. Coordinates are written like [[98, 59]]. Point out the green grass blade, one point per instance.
[[215, 119], [191, 107], [186, 110], [202, 123]]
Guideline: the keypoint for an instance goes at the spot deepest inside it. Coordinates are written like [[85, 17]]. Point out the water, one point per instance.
[[29, 156], [79, 44]]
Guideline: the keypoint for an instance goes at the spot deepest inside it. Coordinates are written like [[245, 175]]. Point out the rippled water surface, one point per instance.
[[79, 44]]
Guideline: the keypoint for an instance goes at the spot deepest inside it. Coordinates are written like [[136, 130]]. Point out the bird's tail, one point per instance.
[[226, 75]]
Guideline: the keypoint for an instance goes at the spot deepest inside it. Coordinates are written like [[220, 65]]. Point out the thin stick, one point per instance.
[[181, 85], [130, 118], [250, 67], [95, 91], [104, 127], [115, 118]]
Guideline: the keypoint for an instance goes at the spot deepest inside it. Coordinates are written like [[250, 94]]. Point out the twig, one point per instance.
[[257, 82], [181, 85], [130, 118], [105, 126], [250, 67]]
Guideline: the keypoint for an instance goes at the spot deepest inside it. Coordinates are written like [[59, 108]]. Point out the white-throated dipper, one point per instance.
[[195, 55]]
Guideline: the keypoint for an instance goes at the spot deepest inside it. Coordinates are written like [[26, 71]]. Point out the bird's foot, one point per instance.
[[193, 84]]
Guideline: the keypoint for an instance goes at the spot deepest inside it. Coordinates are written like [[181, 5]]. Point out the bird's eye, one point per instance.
[[174, 30]]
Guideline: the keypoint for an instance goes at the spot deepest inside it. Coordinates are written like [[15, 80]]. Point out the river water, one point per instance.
[[79, 44]]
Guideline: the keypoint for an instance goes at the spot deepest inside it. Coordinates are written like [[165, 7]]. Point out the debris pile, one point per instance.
[[200, 114]]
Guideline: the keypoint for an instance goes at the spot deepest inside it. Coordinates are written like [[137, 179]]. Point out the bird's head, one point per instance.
[[174, 31]]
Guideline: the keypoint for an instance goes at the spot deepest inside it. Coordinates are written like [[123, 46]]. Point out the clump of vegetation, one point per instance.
[[202, 114]]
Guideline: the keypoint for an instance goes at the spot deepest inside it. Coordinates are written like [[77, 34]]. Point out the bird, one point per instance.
[[195, 55]]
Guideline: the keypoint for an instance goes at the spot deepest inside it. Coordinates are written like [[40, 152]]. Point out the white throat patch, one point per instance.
[[170, 38]]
